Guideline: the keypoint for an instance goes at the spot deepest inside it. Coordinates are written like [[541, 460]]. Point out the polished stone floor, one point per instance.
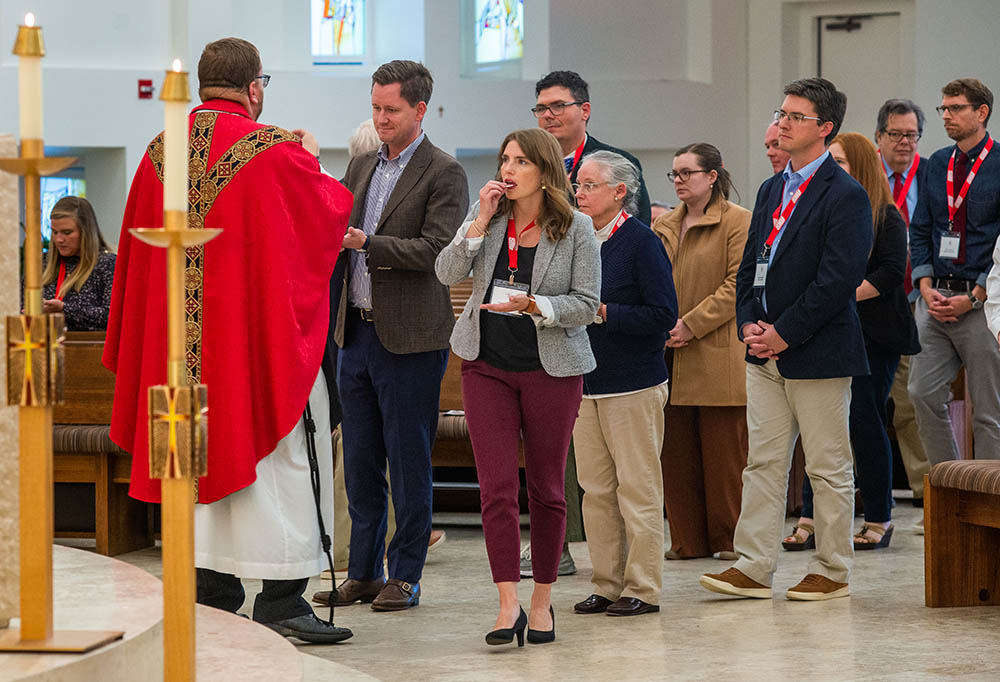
[[882, 632]]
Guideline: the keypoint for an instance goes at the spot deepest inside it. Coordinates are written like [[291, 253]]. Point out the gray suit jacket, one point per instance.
[[412, 309], [567, 273]]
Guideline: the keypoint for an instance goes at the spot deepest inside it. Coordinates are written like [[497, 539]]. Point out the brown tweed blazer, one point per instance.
[[412, 309]]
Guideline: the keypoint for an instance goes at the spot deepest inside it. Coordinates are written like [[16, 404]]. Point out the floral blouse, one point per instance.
[[87, 309]]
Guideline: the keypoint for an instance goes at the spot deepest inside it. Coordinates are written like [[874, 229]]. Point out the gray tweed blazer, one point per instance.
[[567, 273]]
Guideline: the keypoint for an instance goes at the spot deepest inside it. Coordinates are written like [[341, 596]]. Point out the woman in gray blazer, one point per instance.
[[536, 282]]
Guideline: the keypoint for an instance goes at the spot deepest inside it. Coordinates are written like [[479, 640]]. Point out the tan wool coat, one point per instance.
[[711, 369]]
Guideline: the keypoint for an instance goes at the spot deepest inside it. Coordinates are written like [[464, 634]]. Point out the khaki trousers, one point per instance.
[[618, 442], [778, 409], [904, 421]]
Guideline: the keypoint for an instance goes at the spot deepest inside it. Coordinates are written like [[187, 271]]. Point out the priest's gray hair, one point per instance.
[[364, 139], [618, 170]]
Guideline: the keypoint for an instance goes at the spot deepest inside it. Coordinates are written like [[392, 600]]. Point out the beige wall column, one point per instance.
[[10, 238]]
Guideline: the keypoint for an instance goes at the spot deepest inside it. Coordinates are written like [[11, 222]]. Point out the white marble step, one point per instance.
[[94, 592]]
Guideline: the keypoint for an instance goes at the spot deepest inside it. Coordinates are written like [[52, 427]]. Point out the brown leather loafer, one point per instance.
[[397, 595], [595, 603], [630, 606], [350, 591]]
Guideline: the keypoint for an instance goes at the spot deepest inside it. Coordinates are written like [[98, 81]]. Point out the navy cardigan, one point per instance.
[[637, 286]]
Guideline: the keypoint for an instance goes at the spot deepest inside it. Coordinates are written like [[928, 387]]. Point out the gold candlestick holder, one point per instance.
[[178, 433], [34, 384]]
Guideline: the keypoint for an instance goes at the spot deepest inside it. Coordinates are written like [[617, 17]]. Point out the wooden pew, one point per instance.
[[84, 453]]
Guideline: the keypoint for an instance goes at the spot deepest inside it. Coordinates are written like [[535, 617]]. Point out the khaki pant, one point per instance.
[[904, 421], [777, 410], [618, 442], [341, 517]]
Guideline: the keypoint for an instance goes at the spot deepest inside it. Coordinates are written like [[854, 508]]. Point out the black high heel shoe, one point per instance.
[[543, 636], [506, 635]]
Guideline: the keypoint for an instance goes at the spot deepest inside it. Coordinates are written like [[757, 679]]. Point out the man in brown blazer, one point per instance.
[[393, 323]]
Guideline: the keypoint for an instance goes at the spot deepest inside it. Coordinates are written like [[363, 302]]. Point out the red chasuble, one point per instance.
[[256, 307]]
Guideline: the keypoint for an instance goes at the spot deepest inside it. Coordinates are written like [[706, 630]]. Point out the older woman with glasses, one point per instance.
[[704, 457], [536, 276], [619, 432]]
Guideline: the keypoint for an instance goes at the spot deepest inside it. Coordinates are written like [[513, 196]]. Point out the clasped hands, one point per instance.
[[763, 340], [949, 308]]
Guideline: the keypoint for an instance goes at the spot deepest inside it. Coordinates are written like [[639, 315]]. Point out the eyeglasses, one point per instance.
[[265, 78], [794, 116], [951, 108], [556, 108], [896, 136], [588, 187], [684, 174]]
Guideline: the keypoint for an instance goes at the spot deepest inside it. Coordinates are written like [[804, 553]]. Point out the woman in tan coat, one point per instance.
[[705, 448]]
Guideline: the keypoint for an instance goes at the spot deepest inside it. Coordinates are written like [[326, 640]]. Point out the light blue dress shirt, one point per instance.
[[792, 181]]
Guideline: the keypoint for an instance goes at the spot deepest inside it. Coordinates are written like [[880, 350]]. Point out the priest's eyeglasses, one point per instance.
[[556, 108], [265, 78], [794, 116]]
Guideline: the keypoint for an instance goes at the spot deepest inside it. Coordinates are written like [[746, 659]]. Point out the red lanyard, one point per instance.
[[512, 238], [781, 217], [576, 156], [61, 279], [910, 174], [622, 217], [953, 201]]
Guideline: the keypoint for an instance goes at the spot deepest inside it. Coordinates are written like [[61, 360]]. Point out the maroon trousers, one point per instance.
[[703, 457], [500, 406]]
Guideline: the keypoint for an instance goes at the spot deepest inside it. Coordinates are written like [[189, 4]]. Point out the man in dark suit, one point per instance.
[[805, 255], [899, 128], [562, 107], [392, 326]]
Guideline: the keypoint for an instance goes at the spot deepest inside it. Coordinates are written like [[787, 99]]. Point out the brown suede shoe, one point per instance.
[[350, 591], [735, 583], [397, 595], [816, 587]]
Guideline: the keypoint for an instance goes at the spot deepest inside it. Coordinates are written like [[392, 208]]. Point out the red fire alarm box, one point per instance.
[[145, 89]]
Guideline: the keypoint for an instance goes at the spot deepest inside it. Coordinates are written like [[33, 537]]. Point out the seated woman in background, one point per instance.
[[80, 267], [619, 432], [522, 338]]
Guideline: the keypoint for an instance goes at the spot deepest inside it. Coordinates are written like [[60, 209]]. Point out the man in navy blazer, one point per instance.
[[899, 127], [805, 256]]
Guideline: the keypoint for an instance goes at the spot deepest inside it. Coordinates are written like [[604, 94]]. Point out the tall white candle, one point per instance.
[[175, 152], [29, 87]]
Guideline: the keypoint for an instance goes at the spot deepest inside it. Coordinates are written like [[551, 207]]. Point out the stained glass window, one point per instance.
[[499, 34], [338, 31]]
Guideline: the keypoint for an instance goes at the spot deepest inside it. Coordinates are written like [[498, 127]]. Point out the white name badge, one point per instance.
[[760, 274], [502, 291], [950, 243]]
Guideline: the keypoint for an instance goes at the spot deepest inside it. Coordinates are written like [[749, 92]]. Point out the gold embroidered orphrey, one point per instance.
[[204, 186]]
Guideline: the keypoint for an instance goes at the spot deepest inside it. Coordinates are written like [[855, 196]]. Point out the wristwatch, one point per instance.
[[976, 303]]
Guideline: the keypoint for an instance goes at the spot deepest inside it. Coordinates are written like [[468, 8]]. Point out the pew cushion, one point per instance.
[[981, 476], [83, 439]]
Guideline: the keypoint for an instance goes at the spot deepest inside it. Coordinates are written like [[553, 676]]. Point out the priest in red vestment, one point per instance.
[[256, 319]]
